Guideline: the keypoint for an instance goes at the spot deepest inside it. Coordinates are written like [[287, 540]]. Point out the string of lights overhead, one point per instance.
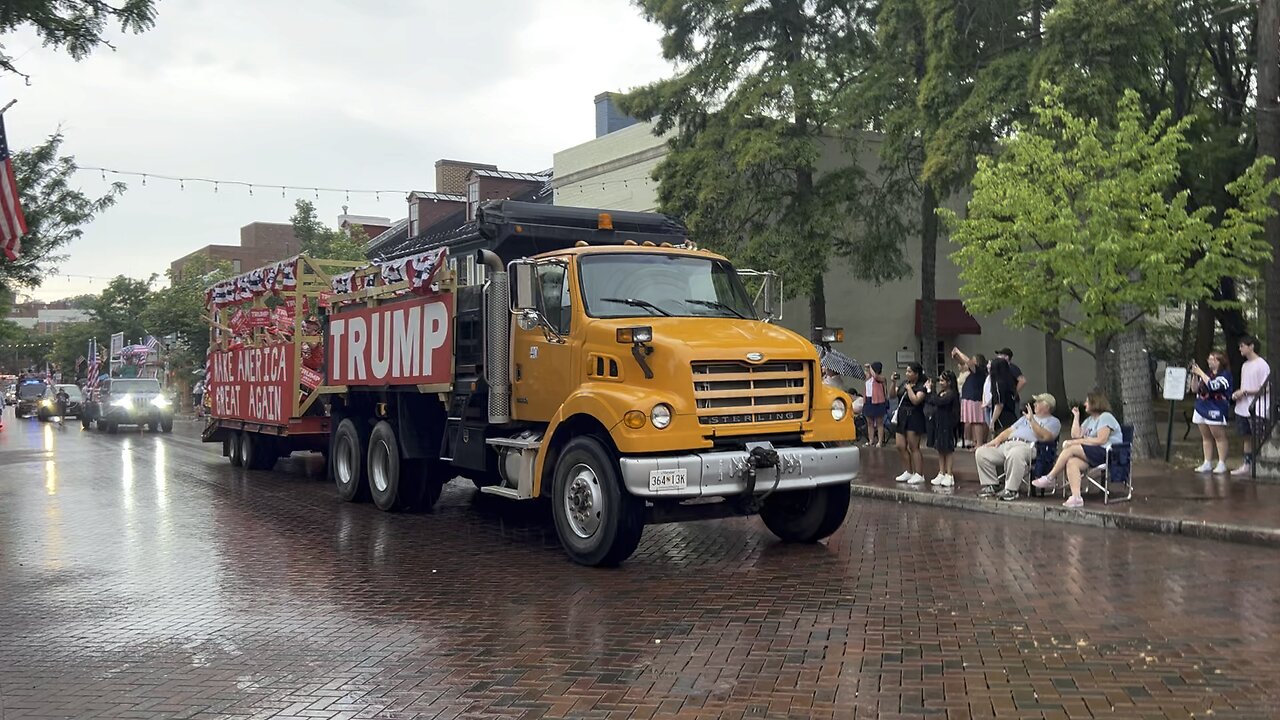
[[217, 184]]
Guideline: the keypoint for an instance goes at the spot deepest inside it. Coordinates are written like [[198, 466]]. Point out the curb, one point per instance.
[[1225, 532]]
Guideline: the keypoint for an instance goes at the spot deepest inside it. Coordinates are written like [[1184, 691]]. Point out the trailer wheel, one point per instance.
[[393, 484], [599, 523], [347, 462], [257, 451], [806, 516], [235, 451]]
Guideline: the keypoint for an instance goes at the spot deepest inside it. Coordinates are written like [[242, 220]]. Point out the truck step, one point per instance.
[[506, 492]]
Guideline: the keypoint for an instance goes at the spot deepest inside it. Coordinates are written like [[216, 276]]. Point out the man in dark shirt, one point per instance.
[[1007, 354]]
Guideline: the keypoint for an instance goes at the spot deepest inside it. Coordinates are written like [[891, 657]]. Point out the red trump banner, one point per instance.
[[253, 384], [402, 343]]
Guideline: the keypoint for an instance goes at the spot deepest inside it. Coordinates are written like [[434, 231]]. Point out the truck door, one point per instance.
[[545, 362]]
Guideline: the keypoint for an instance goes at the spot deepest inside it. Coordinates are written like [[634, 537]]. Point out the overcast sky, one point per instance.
[[336, 93]]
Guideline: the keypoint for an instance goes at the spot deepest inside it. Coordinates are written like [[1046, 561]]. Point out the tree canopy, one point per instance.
[[320, 241], [753, 110], [76, 26], [56, 212]]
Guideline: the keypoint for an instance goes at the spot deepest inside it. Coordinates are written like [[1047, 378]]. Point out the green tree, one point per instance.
[[320, 241], [948, 76], [1073, 221], [20, 348], [56, 212], [761, 164], [75, 26], [179, 310], [120, 306]]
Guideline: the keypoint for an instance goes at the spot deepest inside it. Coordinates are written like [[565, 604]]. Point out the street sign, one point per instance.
[[1175, 383]]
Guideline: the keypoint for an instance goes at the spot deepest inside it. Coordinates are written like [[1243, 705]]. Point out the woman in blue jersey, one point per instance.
[[1213, 399]]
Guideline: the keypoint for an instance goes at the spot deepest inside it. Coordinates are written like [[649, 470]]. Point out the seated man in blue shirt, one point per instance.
[[1014, 450]]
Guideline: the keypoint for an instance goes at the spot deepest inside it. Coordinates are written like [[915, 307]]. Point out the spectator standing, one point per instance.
[[942, 411], [1014, 450], [1004, 396], [1252, 405], [909, 423], [877, 404], [1213, 394], [1087, 447], [1020, 380], [972, 412]]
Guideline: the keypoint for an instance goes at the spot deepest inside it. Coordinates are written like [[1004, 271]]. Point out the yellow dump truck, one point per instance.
[[594, 358]]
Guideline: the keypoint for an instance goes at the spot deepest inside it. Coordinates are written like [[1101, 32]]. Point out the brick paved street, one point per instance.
[[143, 577]]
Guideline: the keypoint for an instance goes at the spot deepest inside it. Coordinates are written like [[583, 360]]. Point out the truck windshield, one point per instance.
[[134, 386], [26, 391], [636, 285]]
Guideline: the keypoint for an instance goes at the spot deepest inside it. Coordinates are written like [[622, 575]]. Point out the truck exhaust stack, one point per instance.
[[497, 324]]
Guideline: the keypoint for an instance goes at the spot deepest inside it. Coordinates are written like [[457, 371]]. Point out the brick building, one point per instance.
[[45, 317], [260, 243]]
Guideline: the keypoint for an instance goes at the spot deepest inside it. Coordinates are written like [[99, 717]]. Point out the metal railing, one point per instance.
[[1263, 424]]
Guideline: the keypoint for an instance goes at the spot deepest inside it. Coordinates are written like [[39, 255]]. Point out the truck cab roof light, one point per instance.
[[604, 221]]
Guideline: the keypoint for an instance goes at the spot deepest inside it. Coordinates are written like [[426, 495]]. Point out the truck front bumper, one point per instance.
[[721, 474]]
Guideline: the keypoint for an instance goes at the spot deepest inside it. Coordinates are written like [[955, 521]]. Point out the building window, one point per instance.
[[473, 198], [235, 266], [413, 219]]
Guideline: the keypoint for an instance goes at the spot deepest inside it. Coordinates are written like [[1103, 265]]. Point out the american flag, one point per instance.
[[150, 342], [12, 224], [91, 382]]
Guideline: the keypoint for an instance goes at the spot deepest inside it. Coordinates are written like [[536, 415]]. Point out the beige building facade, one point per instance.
[[880, 322]]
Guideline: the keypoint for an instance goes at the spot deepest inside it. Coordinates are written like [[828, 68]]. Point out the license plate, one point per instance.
[[660, 480]]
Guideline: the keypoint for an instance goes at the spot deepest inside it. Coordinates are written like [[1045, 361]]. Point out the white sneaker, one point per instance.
[[916, 479], [905, 476], [937, 479], [1204, 467], [947, 481], [1220, 469]]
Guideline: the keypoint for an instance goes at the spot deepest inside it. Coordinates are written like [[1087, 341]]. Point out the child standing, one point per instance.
[[943, 411]]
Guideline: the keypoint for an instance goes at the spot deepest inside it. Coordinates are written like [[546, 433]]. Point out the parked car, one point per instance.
[[49, 402], [30, 393], [11, 394], [129, 401]]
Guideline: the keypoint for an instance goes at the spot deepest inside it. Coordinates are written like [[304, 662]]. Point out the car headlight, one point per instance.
[[123, 402], [47, 403], [160, 401], [660, 416], [839, 408]]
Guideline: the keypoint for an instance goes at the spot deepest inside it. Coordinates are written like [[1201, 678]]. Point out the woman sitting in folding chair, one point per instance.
[[1087, 448]]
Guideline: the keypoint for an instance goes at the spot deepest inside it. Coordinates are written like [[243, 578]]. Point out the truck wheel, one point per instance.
[[257, 451], [599, 523], [806, 516], [392, 482], [234, 452], [112, 427], [166, 425], [347, 462], [101, 425], [84, 422]]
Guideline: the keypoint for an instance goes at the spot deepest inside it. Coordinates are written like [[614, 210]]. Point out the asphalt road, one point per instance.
[[143, 577]]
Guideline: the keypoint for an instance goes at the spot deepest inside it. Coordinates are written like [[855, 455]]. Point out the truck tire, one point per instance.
[[84, 422], [394, 484], [166, 425], [112, 427], [234, 452], [347, 461], [258, 451], [806, 516], [598, 521]]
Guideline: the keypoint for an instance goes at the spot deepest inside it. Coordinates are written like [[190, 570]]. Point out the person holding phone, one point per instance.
[[1213, 400], [909, 423], [876, 408], [1087, 447]]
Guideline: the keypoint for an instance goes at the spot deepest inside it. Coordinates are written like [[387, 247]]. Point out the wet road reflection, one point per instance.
[[142, 576]]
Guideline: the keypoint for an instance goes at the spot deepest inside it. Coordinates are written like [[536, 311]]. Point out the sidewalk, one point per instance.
[[1166, 499]]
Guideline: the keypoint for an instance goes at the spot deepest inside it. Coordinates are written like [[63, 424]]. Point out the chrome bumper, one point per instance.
[[719, 474]]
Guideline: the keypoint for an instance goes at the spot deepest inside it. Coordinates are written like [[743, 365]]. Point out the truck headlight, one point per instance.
[[839, 409], [123, 402], [660, 416], [47, 403], [160, 401]]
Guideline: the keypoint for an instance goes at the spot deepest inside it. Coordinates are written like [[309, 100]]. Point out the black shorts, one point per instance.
[[1248, 425]]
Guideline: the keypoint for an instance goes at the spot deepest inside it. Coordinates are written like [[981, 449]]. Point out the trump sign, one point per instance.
[[402, 343]]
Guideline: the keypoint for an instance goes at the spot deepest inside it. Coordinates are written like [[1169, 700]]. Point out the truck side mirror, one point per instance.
[[525, 283]]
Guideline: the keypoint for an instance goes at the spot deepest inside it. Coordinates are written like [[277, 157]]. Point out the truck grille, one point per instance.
[[734, 393], [141, 403]]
